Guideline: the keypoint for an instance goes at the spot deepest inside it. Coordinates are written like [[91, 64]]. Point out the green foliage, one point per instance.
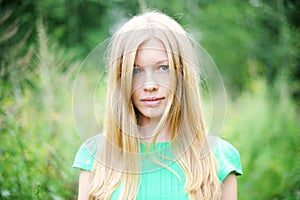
[[37, 135], [264, 125], [81, 25]]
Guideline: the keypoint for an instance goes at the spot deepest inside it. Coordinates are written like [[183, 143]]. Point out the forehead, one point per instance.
[[152, 43], [151, 51]]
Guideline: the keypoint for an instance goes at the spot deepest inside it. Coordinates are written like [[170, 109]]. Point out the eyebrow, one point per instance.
[[157, 62], [161, 61]]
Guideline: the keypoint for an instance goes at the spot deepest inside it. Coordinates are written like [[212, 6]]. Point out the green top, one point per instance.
[[161, 183]]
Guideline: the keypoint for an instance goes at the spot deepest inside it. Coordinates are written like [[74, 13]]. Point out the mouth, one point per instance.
[[152, 101]]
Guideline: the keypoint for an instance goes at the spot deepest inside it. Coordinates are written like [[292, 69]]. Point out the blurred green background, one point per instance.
[[255, 44]]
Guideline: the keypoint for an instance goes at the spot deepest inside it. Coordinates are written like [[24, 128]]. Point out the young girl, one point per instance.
[[154, 143]]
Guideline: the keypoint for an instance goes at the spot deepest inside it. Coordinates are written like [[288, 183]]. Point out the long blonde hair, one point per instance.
[[121, 162]]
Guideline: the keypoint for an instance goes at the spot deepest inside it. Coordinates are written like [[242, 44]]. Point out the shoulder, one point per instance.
[[86, 154], [227, 157]]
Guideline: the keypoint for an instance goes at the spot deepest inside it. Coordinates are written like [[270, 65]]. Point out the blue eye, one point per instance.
[[136, 70], [164, 67]]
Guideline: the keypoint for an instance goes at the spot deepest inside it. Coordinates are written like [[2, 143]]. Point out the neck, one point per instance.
[[147, 131]]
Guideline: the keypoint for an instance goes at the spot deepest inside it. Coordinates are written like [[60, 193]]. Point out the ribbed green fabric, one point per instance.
[[157, 182]]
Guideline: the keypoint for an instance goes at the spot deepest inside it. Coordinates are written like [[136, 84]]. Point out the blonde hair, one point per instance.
[[183, 113]]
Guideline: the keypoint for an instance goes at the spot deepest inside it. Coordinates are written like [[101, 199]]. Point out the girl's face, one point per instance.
[[151, 81]]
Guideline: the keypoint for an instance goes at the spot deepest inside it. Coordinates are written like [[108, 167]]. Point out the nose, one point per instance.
[[150, 86], [149, 80]]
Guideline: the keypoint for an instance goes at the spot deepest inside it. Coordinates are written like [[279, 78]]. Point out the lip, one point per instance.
[[152, 101]]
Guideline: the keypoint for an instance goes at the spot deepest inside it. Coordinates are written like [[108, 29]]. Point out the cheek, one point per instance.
[[167, 91], [164, 82], [134, 98], [137, 83]]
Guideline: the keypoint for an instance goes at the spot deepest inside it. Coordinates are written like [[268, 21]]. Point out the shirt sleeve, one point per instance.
[[228, 159], [85, 156]]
